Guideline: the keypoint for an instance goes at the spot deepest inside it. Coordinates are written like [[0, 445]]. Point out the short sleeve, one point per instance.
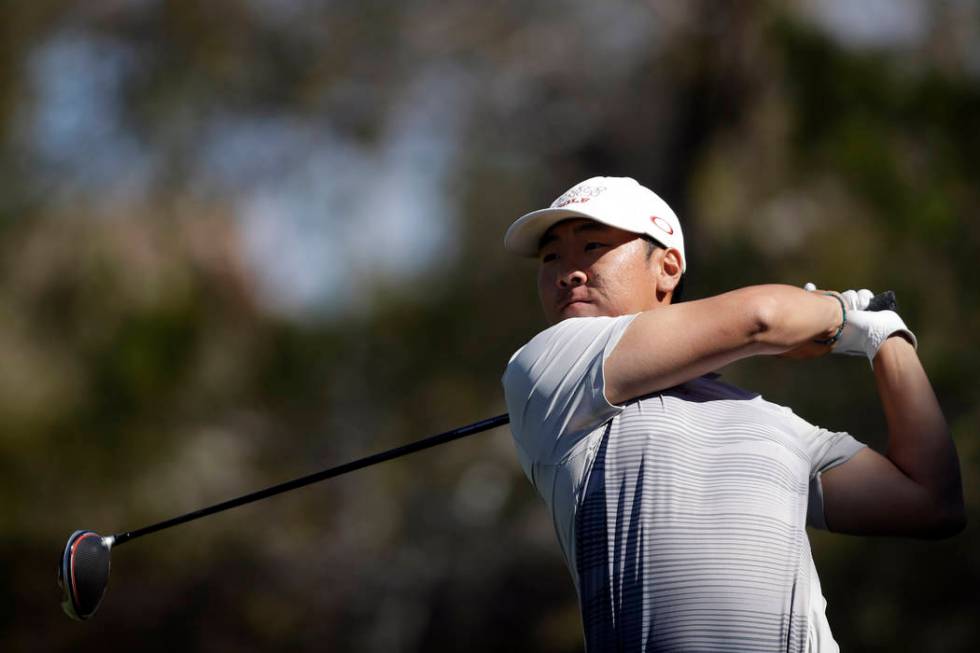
[[555, 389], [827, 450]]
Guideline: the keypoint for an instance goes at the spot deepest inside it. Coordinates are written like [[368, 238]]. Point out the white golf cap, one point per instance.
[[616, 201]]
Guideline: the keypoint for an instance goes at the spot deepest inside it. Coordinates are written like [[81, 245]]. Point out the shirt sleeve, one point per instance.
[[827, 450], [555, 388]]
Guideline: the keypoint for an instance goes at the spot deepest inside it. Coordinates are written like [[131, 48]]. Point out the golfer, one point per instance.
[[680, 502]]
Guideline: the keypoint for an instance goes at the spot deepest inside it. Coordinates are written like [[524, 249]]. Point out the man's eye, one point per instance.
[[593, 245], [547, 258]]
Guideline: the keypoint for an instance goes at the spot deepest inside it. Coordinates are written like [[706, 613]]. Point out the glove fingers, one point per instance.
[[864, 297], [857, 300], [851, 300]]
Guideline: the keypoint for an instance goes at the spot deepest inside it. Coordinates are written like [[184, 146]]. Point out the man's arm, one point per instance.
[[672, 344], [915, 488]]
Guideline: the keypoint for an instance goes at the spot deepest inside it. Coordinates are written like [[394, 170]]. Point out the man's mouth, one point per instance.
[[571, 302]]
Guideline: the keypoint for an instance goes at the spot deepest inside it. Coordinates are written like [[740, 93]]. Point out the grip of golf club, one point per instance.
[[884, 301]]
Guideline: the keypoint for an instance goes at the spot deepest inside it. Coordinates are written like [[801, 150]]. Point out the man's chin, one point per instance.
[[579, 309]]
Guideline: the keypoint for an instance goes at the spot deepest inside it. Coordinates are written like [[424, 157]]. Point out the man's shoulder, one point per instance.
[[559, 337], [553, 387]]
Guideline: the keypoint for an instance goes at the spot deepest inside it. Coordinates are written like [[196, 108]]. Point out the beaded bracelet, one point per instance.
[[843, 309]]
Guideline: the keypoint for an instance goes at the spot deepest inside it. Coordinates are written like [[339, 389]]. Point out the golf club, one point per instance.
[[83, 572]]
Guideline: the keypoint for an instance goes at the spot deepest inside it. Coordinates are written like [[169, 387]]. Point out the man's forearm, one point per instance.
[[672, 344], [794, 317], [919, 442]]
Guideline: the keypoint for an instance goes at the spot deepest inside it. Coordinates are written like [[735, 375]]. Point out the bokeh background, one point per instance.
[[241, 240]]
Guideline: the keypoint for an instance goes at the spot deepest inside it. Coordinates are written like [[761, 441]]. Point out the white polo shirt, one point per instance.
[[681, 514]]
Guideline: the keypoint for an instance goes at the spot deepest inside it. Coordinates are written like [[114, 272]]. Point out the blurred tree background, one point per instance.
[[241, 240]]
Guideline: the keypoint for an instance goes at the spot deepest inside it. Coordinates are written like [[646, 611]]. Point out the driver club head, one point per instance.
[[83, 573]]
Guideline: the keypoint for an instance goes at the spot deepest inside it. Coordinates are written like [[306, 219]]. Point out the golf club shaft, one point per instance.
[[426, 443], [882, 301]]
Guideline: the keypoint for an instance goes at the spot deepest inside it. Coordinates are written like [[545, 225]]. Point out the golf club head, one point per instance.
[[83, 573]]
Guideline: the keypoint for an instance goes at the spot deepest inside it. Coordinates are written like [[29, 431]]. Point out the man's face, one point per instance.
[[587, 268]]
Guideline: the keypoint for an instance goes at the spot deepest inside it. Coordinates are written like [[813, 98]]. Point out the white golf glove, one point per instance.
[[866, 330], [857, 300]]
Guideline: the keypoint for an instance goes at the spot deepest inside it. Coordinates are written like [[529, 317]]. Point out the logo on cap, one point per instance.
[[662, 224], [578, 195]]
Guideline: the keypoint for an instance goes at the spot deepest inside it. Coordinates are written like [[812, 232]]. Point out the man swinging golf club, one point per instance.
[[680, 502]]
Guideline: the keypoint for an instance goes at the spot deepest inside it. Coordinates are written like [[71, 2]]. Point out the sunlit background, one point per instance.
[[241, 240]]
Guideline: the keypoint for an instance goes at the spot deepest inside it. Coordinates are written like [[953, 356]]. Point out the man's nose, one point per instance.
[[572, 278]]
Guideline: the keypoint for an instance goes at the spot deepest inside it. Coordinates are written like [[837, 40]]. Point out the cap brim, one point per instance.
[[522, 237]]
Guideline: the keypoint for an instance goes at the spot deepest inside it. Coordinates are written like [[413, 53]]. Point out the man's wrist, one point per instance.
[[897, 344], [839, 320]]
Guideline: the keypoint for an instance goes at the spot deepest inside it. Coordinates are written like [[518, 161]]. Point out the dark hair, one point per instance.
[[652, 246]]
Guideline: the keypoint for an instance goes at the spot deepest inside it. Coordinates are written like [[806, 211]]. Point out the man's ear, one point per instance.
[[670, 270]]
